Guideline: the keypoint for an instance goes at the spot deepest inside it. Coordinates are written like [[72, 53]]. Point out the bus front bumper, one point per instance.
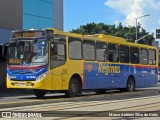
[[42, 84]]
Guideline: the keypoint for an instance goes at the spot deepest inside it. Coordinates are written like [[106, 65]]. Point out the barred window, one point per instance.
[[124, 54], [58, 51], [88, 50], [143, 56], [75, 48], [101, 51], [152, 57], [134, 55], [113, 54]]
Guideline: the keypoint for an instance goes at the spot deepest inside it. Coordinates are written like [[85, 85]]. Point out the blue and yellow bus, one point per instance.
[[52, 60]]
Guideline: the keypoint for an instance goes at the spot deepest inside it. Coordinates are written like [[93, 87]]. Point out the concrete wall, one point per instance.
[[11, 14], [4, 36], [58, 14]]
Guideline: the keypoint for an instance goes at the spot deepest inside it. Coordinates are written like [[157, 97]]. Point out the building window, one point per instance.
[[30, 7], [30, 21], [45, 23], [38, 14], [88, 50], [45, 9], [101, 51]]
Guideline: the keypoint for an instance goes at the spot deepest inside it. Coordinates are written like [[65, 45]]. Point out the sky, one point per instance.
[[81, 12]]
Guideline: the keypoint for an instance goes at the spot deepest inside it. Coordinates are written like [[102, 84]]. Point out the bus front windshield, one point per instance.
[[28, 52]]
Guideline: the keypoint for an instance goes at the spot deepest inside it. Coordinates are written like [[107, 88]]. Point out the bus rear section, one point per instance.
[[119, 65]]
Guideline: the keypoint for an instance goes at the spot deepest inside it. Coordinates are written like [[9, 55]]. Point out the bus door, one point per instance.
[[57, 61]]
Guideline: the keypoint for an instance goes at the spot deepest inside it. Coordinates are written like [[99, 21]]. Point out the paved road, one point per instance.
[[89, 106], [14, 98], [133, 108]]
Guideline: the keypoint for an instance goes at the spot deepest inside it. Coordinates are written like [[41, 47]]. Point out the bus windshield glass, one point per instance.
[[28, 52]]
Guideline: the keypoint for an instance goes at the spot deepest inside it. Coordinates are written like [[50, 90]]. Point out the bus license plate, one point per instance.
[[21, 84]]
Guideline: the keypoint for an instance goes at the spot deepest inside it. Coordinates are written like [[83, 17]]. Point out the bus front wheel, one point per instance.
[[39, 93], [73, 89]]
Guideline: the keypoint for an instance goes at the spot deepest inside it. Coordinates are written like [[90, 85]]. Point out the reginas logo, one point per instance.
[[106, 69], [89, 67]]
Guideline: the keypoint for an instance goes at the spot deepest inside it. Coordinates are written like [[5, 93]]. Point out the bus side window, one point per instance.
[[134, 55], [58, 51], [89, 50], [143, 56], [101, 51], [152, 57], [75, 48], [113, 54], [124, 54]]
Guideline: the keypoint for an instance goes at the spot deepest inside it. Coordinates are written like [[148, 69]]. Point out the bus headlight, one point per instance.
[[42, 76], [8, 77]]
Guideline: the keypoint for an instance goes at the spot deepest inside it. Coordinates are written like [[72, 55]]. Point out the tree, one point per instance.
[[127, 32]]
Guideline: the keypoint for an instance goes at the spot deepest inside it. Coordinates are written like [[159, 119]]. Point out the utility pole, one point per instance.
[[136, 24]]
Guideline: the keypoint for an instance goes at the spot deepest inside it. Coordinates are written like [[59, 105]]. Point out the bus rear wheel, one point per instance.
[[130, 85], [39, 93], [74, 88]]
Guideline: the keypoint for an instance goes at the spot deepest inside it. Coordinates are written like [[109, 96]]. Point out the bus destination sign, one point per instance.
[[26, 34]]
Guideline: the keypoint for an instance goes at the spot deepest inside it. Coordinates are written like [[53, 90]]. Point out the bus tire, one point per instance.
[[73, 89], [130, 85], [39, 93]]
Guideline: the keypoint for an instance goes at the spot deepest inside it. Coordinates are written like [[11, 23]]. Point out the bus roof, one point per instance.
[[97, 37], [104, 38]]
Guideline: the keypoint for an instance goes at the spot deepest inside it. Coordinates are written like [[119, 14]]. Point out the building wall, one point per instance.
[[24, 14], [11, 14], [38, 14], [4, 36], [58, 14]]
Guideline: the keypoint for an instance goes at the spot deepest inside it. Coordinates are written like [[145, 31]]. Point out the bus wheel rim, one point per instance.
[[73, 88]]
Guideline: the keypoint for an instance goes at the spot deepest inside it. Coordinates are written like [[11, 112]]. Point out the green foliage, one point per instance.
[[129, 33]]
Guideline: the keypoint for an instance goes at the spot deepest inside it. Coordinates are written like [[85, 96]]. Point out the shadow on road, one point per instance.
[[14, 92], [51, 96], [28, 94]]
